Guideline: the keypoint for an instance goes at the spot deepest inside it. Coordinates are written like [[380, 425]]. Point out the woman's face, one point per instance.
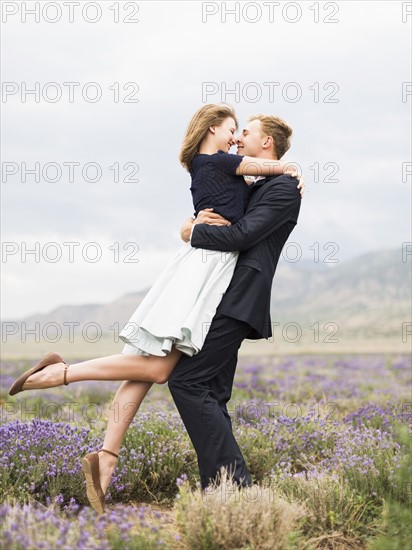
[[224, 135]]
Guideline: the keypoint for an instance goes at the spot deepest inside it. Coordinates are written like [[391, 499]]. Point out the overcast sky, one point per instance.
[[338, 84]]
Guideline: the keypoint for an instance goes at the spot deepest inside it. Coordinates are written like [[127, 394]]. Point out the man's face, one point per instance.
[[249, 142]]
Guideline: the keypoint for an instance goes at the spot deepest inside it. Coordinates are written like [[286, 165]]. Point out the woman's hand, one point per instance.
[[293, 171], [255, 166], [301, 185]]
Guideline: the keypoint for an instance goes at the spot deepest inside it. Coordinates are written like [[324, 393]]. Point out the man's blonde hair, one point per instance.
[[206, 116], [276, 128]]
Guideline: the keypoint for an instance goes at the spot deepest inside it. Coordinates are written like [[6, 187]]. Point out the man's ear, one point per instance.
[[267, 143]]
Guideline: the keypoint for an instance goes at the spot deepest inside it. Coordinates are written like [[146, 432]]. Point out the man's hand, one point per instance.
[[186, 230], [204, 216], [211, 218]]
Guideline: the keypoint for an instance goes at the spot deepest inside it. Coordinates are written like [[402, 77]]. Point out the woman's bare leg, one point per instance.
[[124, 406], [121, 366], [138, 373]]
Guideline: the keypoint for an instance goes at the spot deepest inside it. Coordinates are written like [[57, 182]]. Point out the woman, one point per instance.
[[175, 314]]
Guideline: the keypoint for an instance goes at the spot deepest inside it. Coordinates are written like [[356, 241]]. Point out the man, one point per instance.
[[201, 385]]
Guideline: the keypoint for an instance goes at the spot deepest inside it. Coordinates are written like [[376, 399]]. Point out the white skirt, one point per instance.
[[179, 308]]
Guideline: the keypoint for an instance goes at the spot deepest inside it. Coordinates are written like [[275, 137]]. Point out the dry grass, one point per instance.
[[334, 513], [226, 517]]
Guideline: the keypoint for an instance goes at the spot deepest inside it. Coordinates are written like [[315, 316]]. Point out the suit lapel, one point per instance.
[[258, 184]]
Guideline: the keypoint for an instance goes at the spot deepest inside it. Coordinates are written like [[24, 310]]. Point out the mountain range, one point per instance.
[[369, 296]]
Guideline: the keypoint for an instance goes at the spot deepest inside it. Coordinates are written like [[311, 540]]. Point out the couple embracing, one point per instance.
[[214, 293]]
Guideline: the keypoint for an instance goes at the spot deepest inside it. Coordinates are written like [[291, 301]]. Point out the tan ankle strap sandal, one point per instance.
[[110, 452], [49, 359], [94, 491]]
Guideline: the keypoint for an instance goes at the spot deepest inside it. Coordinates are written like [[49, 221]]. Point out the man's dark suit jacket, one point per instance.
[[270, 216]]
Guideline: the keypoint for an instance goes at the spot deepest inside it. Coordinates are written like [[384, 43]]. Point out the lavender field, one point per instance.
[[326, 439]]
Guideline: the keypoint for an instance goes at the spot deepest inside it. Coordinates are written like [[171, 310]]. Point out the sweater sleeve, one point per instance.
[[226, 162]]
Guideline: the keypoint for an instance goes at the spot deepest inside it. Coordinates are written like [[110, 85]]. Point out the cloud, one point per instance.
[[171, 53]]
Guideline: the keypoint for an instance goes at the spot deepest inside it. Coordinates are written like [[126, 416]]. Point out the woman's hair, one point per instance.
[[278, 129], [206, 116]]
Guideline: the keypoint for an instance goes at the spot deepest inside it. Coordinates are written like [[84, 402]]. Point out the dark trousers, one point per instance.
[[201, 386]]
